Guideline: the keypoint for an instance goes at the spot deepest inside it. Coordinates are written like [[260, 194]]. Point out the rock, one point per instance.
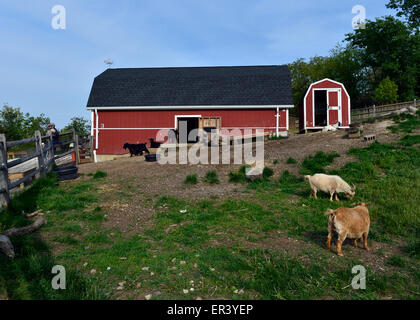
[[185, 291], [195, 265], [173, 260], [138, 285], [412, 109], [145, 268], [85, 264], [254, 173], [121, 284], [120, 288], [148, 296], [192, 289], [157, 293], [93, 271], [403, 110], [123, 258], [198, 298], [182, 262], [212, 269]]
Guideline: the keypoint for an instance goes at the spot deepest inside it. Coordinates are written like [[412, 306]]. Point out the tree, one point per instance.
[[386, 92], [388, 48], [80, 124], [410, 9], [16, 125], [12, 122], [342, 65]]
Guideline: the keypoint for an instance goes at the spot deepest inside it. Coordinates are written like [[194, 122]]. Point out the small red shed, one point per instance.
[[326, 102]]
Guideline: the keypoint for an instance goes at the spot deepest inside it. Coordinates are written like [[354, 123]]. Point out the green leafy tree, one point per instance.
[[80, 124], [12, 122], [16, 125], [342, 65], [388, 48], [386, 92], [410, 9]]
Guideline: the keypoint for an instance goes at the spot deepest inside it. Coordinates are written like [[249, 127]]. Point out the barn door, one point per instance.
[[334, 106]]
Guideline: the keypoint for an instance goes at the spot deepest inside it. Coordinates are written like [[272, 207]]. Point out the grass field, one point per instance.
[[267, 244]]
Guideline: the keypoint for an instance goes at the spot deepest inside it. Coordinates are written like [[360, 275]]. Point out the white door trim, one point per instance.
[[184, 116]]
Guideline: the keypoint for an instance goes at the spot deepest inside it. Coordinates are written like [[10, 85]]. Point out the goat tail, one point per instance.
[[307, 178], [329, 212]]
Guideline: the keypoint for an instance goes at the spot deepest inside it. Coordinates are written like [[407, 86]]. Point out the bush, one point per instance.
[[386, 92], [267, 173], [99, 174], [191, 179], [211, 177], [291, 161], [239, 176]]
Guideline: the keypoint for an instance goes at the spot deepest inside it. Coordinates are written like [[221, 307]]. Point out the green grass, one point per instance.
[[99, 174], [405, 122], [316, 163], [211, 177], [239, 176], [265, 241], [28, 275], [291, 160], [191, 179]]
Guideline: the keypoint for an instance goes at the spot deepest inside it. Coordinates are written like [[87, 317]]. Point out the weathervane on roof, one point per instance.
[[109, 62]]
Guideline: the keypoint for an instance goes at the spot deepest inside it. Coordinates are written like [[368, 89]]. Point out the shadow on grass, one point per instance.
[[28, 275]]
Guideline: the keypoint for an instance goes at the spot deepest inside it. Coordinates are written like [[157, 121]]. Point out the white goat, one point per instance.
[[331, 185]]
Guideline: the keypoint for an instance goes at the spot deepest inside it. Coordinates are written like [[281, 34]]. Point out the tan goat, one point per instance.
[[348, 222], [330, 184]]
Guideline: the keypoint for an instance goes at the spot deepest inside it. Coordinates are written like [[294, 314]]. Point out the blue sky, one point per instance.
[[50, 71]]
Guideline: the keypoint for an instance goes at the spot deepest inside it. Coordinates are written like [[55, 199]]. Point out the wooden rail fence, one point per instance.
[[379, 111], [20, 171]]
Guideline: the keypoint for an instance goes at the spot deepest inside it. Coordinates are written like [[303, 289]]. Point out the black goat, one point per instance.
[[154, 144], [136, 149]]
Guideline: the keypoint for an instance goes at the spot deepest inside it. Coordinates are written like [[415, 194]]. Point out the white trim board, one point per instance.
[[189, 107]]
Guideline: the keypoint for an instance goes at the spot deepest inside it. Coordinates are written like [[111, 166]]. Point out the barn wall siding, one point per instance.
[[122, 126]]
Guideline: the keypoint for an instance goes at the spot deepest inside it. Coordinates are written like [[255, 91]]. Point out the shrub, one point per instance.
[[99, 174], [191, 179], [267, 173], [239, 176], [386, 92], [211, 177], [291, 161]]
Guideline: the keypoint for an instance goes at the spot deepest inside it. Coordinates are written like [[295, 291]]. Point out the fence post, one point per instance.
[[374, 111], [50, 142], [76, 145], [39, 149], [4, 175]]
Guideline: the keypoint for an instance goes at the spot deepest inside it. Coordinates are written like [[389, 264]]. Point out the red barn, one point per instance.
[[326, 102], [132, 105]]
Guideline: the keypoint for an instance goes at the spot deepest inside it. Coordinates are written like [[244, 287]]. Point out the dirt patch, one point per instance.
[[133, 185]]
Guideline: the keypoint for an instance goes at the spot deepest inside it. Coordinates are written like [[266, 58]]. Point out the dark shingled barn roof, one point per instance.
[[192, 86]]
